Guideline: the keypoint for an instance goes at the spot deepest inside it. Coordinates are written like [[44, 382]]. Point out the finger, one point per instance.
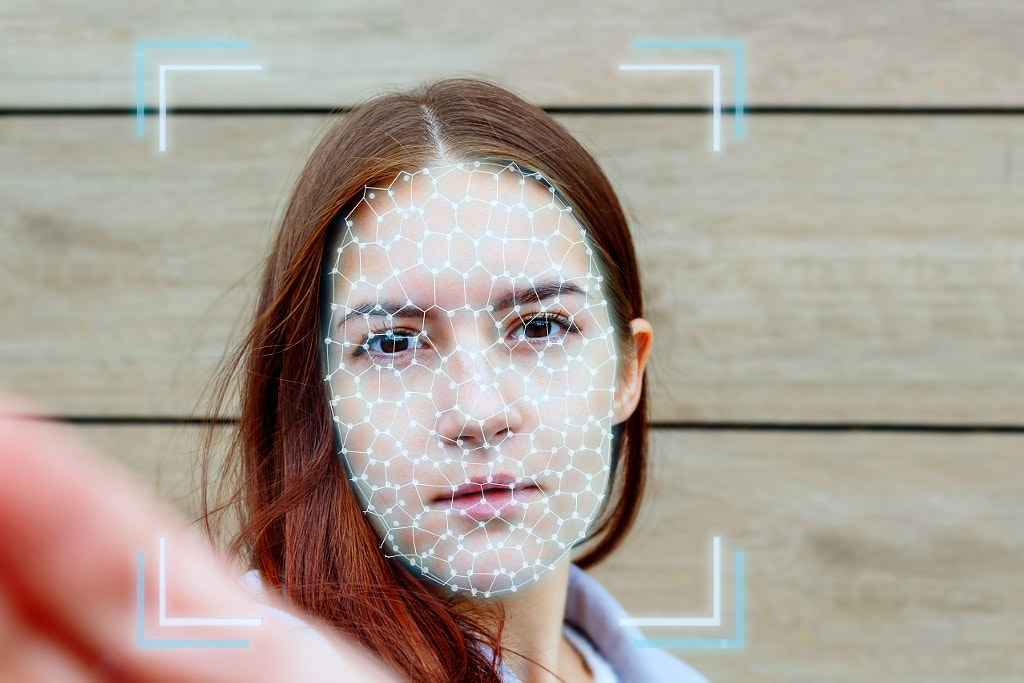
[[68, 521], [28, 653], [72, 527]]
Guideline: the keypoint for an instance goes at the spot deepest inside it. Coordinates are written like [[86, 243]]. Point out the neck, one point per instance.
[[533, 630]]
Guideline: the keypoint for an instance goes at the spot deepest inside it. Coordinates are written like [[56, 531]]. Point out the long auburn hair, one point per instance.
[[298, 522]]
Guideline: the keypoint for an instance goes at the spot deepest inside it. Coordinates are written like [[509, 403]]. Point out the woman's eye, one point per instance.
[[538, 328], [546, 327], [391, 342]]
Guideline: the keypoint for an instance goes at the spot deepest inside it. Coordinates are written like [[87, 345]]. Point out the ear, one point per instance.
[[631, 377]]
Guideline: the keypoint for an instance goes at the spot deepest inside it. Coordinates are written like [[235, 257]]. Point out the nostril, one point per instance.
[[474, 441], [498, 437]]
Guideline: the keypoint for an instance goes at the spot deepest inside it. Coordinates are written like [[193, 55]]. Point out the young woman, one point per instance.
[[442, 423], [443, 411]]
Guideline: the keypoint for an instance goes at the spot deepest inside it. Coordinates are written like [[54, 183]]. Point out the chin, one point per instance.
[[492, 572]]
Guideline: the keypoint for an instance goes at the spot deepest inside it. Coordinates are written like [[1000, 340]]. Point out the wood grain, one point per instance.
[[824, 270], [866, 556], [797, 52], [890, 557]]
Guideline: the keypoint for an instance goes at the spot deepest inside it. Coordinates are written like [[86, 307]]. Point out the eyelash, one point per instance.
[[363, 347]]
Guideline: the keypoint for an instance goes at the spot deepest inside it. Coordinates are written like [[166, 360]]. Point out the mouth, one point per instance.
[[481, 499]]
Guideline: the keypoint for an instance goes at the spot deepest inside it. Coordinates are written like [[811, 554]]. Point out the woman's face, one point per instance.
[[472, 373]]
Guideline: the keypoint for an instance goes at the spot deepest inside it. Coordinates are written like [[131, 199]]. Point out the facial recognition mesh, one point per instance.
[[471, 372]]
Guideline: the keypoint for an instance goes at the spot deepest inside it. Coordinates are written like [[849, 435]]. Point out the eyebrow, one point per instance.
[[535, 293], [398, 309]]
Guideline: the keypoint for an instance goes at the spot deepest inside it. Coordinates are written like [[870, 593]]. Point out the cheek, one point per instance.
[[574, 391], [580, 406], [382, 400], [384, 446]]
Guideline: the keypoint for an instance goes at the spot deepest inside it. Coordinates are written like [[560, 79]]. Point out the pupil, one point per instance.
[[391, 343], [538, 328]]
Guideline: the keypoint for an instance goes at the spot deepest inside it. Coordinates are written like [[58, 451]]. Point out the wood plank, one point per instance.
[[798, 52], [866, 556], [824, 270], [163, 458]]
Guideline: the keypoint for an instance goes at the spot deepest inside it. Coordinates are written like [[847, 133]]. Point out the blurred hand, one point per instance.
[[70, 527]]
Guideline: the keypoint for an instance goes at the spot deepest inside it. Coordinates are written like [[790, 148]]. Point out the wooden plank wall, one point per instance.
[[837, 295]]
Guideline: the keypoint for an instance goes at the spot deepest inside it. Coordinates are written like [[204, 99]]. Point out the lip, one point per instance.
[[484, 498]]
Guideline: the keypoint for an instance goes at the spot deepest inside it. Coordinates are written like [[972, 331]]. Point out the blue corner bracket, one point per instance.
[[736, 642], [168, 643], [140, 67], [736, 47]]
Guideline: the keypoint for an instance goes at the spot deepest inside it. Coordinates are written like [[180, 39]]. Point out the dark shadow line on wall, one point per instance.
[[141, 421], [646, 110]]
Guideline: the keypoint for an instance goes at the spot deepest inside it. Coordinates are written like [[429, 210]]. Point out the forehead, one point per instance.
[[461, 220]]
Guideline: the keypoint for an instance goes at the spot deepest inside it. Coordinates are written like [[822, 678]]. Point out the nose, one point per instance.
[[481, 406]]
